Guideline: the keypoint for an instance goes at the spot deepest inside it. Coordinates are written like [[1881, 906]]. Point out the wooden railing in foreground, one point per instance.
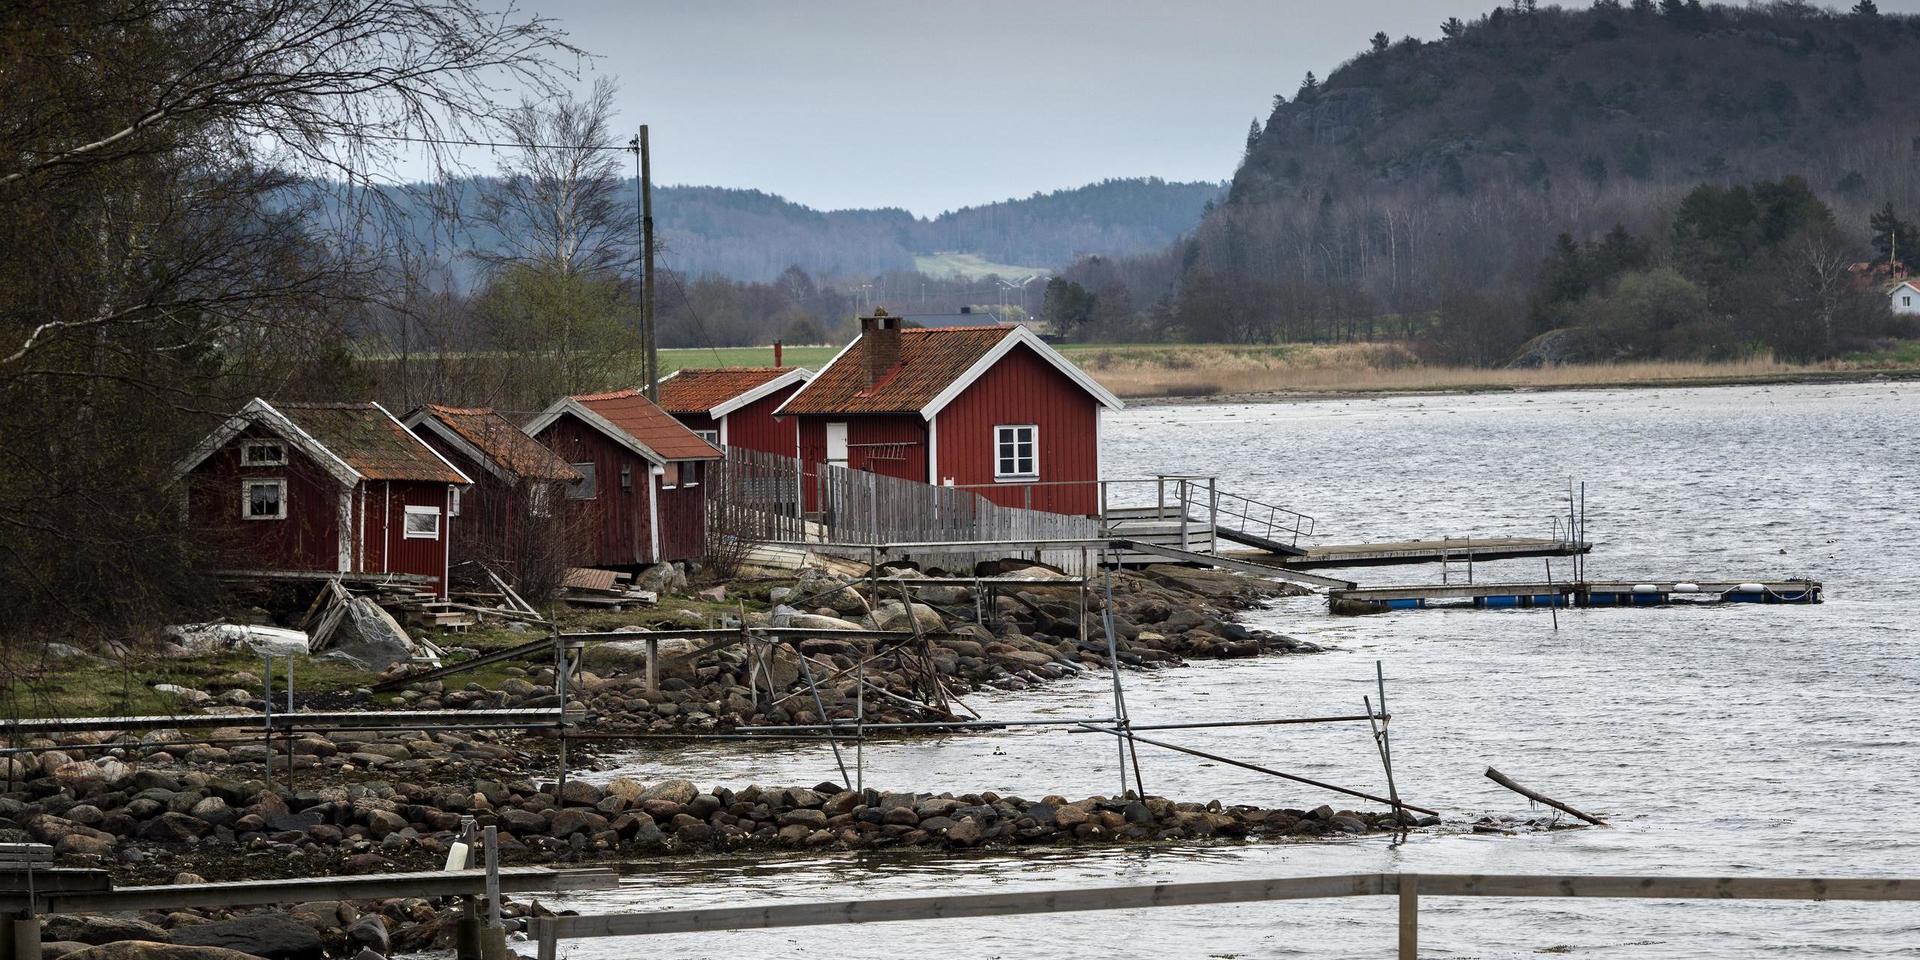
[[1408, 887]]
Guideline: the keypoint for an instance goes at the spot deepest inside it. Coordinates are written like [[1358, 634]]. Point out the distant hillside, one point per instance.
[[752, 235], [1423, 168]]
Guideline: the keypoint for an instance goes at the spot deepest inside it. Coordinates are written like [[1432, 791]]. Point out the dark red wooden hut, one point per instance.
[[323, 487], [733, 406], [991, 408], [641, 467], [518, 484]]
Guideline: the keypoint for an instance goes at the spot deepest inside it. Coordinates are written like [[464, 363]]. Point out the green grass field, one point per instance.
[[813, 358], [971, 266]]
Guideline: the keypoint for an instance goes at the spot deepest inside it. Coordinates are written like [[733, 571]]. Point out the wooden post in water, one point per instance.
[[1505, 781], [1409, 917]]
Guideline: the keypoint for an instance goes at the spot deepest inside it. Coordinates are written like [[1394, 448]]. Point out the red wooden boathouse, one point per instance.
[[323, 487], [734, 406], [517, 482], [642, 469], [992, 408]]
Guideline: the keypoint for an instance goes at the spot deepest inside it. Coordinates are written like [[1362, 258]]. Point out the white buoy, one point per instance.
[[1751, 588], [1686, 588], [1645, 588]]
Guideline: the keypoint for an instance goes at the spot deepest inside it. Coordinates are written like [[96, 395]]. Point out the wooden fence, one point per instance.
[[760, 497], [1407, 887]]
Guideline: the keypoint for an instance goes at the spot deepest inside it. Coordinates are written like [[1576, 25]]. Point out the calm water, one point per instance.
[[1745, 739]]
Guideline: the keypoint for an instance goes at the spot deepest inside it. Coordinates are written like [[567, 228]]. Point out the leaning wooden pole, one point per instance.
[[1505, 781]]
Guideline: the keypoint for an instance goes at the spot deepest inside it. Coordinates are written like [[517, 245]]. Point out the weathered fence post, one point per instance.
[[1409, 916]]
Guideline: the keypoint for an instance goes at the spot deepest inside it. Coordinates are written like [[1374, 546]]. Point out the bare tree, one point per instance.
[[558, 205]]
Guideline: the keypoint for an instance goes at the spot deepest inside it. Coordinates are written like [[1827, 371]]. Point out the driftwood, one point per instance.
[[1505, 781]]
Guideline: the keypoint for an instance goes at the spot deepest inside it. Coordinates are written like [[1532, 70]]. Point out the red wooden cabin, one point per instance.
[[517, 482], [642, 469], [323, 487], [992, 408], [733, 406]]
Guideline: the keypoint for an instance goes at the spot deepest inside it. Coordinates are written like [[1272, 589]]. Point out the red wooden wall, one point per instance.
[[754, 427], [683, 515], [1024, 389], [309, 537], [620, 524], [906, 457]]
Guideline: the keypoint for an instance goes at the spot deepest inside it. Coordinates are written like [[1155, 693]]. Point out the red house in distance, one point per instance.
[[322, 487], [517, 482], [991, 408], [642, 469], [733, 406]]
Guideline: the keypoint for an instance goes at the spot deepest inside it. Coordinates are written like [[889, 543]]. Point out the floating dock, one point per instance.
[[1622, 593]]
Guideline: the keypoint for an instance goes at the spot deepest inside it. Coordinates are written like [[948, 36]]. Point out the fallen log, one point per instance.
[[1505, 781]]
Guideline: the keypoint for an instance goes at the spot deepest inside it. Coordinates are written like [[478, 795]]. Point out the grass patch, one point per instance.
[[970, 266], [677, 358]]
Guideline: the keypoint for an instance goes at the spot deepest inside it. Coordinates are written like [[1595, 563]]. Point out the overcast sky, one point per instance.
[[936, 105]]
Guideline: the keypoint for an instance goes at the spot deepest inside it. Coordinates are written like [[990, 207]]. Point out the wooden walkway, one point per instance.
[[1449, 550], [1623, 593], [379, 886]]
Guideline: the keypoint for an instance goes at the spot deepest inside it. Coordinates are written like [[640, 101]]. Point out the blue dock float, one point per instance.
[[1521, 596]]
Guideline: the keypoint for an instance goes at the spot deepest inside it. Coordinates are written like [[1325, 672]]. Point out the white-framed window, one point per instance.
[[422, 523], [263, 453], [690, 473], [1016, 452], [453, 502], [710, 436], [1907, 301], [589, 485], [263, 499]]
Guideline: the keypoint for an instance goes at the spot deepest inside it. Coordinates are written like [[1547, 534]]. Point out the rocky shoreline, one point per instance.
[[1163, 617]]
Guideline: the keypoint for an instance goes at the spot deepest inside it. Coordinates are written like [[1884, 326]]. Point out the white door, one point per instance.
[[837, 444]]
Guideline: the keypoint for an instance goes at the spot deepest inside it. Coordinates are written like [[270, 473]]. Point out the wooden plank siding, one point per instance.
[[903, 456], [620, 523], [385, 547], [683, 514], [1023, 388], [754, 426], [308, 539]]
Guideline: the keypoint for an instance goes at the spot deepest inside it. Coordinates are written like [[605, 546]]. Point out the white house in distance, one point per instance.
[[1904, 299]]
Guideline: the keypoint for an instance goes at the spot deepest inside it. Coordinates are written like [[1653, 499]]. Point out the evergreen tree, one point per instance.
[[1673, 10], [1380, 42], [1452, 28], [1279, 100], [1893, 238], [1253, 137], [1308, 87], [1642, 7], [1453, 177], [1866, 8]]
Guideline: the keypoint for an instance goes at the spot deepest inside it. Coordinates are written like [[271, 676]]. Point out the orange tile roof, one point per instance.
[[631, 411], [700, 390], [505, 444], [931, 360], [370, 441]]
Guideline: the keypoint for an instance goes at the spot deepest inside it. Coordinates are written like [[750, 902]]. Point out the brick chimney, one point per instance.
[[881, 334], [776, 353]]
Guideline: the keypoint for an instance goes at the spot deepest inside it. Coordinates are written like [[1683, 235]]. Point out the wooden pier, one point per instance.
[[1495, 596], [1445, 550]]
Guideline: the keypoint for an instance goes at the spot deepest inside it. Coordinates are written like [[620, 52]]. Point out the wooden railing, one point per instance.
[[1407, 887]]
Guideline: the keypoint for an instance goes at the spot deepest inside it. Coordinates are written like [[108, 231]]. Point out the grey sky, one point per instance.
[[931, 106]]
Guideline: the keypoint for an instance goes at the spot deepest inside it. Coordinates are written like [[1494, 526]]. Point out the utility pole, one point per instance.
[[649, 340]]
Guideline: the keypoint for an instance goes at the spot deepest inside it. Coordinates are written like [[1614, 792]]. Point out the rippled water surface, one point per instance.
[[1741, 739]]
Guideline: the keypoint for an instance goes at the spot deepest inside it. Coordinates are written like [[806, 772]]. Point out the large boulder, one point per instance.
[[275, 936], [369, 638], [149, 950], [93, 928], [892, 615], [821, 589], [662, 579]]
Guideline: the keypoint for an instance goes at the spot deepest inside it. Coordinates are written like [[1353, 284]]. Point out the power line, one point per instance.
[[450, 142]]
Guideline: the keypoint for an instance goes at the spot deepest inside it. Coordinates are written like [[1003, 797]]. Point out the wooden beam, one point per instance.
[[1273, 570], [429, 884]]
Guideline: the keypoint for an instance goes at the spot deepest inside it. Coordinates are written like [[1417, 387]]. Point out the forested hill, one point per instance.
[[1576, 102], [753, 235], [1423, 168]]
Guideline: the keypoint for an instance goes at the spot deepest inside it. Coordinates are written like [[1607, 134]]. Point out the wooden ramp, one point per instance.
[[1160, 554], [1445, 550]]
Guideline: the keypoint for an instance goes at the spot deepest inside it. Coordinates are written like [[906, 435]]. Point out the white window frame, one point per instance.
[[406, 522], [453, 501], [1033, 441], [247, 448], [710, 436], [246, 499], [540, 499]]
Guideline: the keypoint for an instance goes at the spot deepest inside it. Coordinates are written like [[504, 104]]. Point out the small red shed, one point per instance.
[[324, 487], [991, 408], [733, 406], [518, 484], [642, 469]]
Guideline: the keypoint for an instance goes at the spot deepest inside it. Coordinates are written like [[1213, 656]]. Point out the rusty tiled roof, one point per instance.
[[370, 441], [502, 442], [930, 361], [700, 390], [631, 411]]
